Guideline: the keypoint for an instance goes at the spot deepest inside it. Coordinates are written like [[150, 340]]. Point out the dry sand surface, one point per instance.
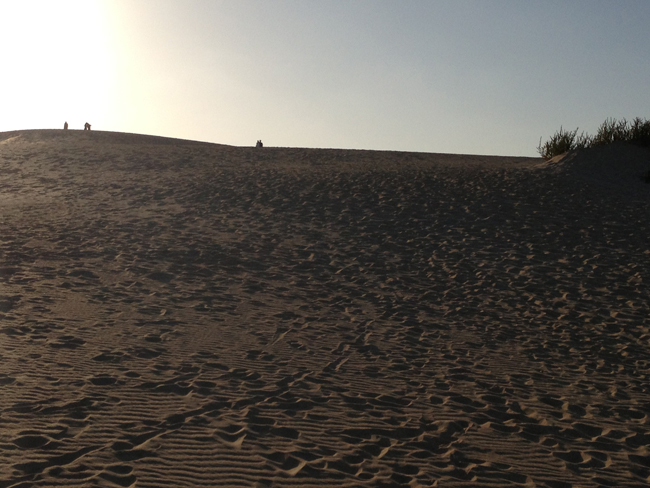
[[185, 314]]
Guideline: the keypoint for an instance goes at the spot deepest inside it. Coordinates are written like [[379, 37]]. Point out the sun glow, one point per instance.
[[59, 63]]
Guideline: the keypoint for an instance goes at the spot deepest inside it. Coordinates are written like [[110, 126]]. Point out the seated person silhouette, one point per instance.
[[86, 126], [259, 144]]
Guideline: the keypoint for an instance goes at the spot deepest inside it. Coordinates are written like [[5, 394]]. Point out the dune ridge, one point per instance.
[[192, 314]]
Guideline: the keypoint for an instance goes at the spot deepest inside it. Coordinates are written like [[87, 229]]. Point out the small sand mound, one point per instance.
[[614, 166]]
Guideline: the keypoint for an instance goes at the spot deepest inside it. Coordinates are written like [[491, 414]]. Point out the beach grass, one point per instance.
[[611, 130]]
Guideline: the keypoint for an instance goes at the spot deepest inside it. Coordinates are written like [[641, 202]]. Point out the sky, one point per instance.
[[446, 76]]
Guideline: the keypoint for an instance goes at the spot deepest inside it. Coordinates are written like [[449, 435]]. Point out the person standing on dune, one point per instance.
[[65, 126]]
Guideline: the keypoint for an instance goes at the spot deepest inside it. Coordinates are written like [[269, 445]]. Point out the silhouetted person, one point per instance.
[[259, 144], [86, 126], [65, 126]]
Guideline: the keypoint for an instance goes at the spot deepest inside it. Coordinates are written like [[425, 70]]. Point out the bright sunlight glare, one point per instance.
[[59, 63]]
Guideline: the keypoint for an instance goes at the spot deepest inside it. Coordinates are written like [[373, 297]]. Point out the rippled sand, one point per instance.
[[186, 314]]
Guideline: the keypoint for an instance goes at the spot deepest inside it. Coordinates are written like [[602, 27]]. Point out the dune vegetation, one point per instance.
[[635, 132]]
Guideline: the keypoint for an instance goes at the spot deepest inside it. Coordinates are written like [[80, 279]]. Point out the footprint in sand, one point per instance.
[[32, 441]]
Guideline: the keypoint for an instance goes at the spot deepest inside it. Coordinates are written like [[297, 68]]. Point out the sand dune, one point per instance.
[[175, 313]]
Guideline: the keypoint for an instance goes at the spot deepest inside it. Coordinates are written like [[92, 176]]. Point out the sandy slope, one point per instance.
[[178, 314]]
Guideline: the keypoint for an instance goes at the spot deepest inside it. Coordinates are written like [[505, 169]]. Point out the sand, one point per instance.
[[182, 314]]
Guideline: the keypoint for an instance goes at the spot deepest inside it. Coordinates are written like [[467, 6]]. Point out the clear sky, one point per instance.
[[457, 76]]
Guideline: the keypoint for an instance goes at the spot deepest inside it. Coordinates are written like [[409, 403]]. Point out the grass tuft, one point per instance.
[[612, 130]]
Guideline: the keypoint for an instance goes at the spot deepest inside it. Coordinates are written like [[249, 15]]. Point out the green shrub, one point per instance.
[[612, 130], [640, 132], [559, 143]]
